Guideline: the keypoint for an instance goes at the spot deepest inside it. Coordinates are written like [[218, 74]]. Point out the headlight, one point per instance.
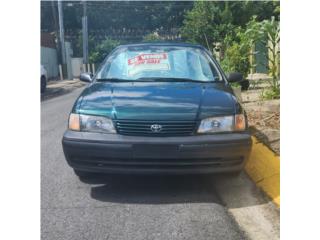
[[222, 124], [90, 123]]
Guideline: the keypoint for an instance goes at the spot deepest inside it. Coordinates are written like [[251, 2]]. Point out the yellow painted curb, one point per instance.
[[263, 167]]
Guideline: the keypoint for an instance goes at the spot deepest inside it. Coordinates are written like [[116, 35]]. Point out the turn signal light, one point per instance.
[[240, 122], [74, 122]]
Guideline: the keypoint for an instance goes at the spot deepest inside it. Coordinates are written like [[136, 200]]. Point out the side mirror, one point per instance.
[[235, 77], [86, 77]]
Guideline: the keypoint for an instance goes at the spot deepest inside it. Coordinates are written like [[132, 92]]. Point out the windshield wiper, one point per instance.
[[112, 80], [153, 79], [163, 79]]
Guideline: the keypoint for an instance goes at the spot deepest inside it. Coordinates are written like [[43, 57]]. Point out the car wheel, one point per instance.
[[82, 174], [235, 174], [43, 84], [245, 85]]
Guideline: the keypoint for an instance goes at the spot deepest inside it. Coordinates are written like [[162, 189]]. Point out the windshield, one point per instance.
[[167, 62]]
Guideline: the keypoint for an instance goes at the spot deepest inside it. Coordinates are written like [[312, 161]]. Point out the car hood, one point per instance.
[[157, 100]]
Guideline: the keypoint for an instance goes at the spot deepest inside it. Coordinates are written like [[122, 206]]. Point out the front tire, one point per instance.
[[235, 174], [82, 174], [245, 85]]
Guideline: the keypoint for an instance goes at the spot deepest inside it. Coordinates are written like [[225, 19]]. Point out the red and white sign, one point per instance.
[[148, 62]]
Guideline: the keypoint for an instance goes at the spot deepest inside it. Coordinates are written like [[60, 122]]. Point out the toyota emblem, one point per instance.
[[156, 128]]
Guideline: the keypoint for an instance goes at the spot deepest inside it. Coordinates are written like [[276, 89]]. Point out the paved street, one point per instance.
[[142, 208], [60, 87]]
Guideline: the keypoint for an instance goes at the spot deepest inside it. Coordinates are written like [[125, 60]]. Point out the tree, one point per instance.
[[271, 29], [78, 44], [208, 23], [237, 55], [203, 24], [118, 14], [102, 50]]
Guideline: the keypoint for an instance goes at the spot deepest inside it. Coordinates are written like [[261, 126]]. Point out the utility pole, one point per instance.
[[54, 14], [85, 34], [56, 29], [61, 32]]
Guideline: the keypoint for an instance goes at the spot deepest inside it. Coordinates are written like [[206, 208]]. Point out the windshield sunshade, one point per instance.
[[159, 62]]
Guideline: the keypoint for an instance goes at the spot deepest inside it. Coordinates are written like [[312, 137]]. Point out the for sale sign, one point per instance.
[[148, 62]]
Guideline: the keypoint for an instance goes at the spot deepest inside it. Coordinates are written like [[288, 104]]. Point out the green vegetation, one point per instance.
[[235, 85], [231, 30], [268, 33], [119, 15], [271, 29], [98, 49], [237, 54], [77, 44], [102, 50], [272, 93], [152, 37]]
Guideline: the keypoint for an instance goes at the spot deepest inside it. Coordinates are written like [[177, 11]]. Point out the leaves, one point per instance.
[[117, 14], [152, 37], [102, 50]]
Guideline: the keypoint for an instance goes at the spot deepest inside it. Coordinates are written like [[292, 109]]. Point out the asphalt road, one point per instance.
[[127, 207]]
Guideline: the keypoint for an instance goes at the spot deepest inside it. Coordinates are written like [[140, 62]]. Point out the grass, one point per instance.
[[270, 93]]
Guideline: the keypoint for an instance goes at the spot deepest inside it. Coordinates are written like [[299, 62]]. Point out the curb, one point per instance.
[[263, 167]]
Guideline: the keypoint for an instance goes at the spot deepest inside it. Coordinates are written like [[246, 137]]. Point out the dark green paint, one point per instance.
[[156, 100]]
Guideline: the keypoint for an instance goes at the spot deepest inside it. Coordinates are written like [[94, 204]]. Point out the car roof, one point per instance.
[[175, 44]]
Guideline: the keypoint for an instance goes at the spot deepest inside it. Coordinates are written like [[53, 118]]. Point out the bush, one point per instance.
[[102, 50], [78, 45], [236, 59], [272, 93], [152, 37]]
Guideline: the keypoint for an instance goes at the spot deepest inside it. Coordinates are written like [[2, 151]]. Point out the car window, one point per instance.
[[159, 62]]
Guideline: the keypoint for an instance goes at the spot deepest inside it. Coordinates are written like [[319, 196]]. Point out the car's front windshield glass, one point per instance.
[[159, 62]]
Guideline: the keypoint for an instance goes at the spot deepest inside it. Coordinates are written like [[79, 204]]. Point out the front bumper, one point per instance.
[[114, 153]]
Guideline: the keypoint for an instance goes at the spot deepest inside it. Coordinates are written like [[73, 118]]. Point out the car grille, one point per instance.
[[144, 128]]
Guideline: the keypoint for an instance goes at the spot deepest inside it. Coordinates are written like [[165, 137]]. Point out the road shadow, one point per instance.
[[174, 189], [54, 92], [153, 189], [59, 88], [239, 192]]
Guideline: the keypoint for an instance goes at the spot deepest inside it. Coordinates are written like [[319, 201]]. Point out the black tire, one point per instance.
[[235, 174], [43, 84], [82, 174], [245, 85]]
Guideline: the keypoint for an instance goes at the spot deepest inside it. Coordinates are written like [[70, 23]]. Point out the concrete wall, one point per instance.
[[49, 60], [76, 66]]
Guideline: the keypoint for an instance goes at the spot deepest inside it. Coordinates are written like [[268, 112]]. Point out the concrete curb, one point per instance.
[[263, 167]]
